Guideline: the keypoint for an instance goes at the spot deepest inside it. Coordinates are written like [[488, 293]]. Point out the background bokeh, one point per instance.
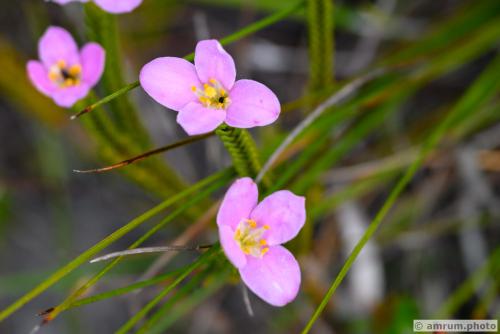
[[442, 232]]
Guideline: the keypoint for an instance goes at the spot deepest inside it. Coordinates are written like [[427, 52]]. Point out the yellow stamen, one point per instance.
[[63, 76], [213, 95], [266, 227], [75, 70], [252, 223], [249, 237], [53, 76]]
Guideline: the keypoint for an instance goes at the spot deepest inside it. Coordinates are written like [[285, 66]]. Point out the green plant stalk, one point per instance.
[[320, 32], [476, 94], [80, 291], [139, 315], [242, 148], [91, 252], [242, 33]]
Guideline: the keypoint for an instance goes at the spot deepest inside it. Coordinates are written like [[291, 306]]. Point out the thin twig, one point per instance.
[[336, 98], [146, 154], [146, 250]]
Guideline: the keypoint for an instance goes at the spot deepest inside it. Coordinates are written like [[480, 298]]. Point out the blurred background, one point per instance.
[[436, 252]]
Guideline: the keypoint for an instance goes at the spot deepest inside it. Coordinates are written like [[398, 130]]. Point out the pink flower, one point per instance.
[[205, 94], [251, 235], [63, 73], [112, 6]]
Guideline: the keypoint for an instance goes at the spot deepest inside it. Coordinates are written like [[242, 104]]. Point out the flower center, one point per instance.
[[249, 238], [213, 95], [65, 76]]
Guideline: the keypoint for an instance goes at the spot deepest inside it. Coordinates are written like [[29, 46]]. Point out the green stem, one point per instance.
[[242, 149], [320, 31]]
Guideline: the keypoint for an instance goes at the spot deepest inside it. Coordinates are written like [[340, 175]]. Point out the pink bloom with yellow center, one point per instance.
[[251, 235], [111, 6], [64, 73], [206, 94]]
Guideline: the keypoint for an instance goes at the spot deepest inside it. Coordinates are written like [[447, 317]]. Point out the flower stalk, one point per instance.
[[242, 149]]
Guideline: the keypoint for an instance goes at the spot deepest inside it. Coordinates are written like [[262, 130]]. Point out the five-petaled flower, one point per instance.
[[63, 73], [112, 6], [205, 94], [251, 235]]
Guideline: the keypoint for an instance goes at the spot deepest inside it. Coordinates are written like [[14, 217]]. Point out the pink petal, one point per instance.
[[57, 44], [213, 62], [275, 277], [238, 202], [230, 247], [252, 104], [168, 80], [66, 97], [195, 119], [284, 212], [92, 57], [118, 6], [39, 77]]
